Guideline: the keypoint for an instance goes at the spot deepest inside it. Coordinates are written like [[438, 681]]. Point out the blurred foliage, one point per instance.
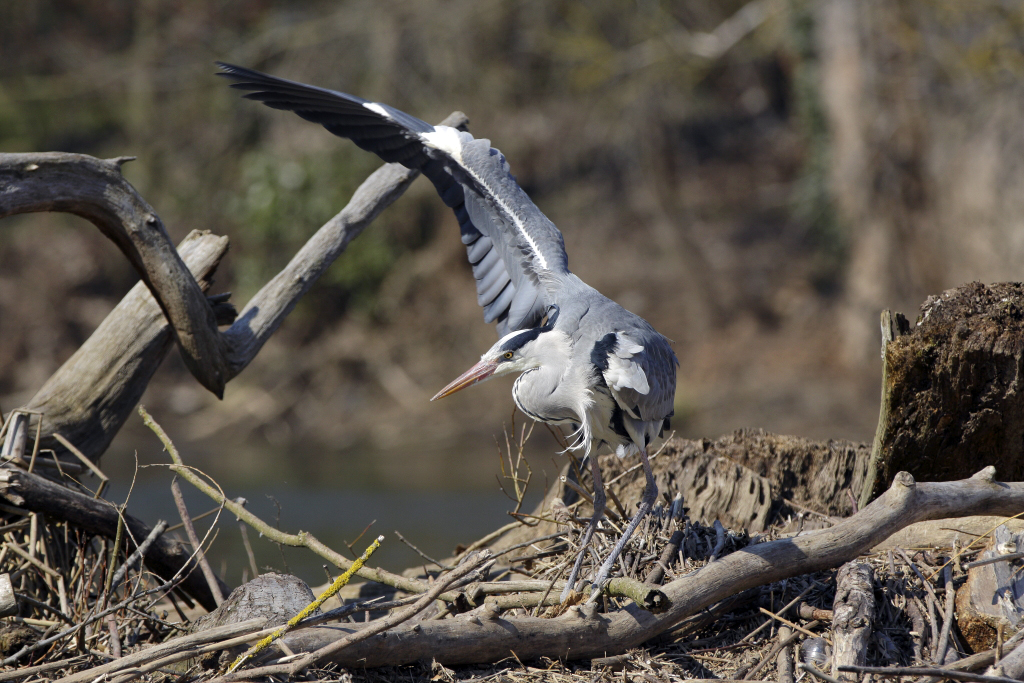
[[683, 146], [813, 205]]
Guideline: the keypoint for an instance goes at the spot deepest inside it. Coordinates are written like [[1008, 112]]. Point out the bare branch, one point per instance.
[[165, 557], [93, 393], [95, 190]]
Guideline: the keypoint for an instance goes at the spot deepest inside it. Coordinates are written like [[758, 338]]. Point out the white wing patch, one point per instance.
[[623, 373], [377, 109], [447, 140]]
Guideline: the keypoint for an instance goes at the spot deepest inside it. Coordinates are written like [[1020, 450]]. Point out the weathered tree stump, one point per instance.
[[271, 596], [951, 389]]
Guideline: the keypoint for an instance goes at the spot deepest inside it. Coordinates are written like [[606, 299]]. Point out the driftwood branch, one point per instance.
[[184, 647], [89, 398], [95, 190], [578, 635], [165, 557]]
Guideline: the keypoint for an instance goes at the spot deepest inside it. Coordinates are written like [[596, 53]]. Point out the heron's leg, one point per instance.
[[650, 493], [599, 504]]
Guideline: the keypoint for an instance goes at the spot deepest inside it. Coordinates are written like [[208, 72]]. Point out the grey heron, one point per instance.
[[582, 359]]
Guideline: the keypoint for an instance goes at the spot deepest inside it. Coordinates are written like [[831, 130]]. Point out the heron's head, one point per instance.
[[517, 351]]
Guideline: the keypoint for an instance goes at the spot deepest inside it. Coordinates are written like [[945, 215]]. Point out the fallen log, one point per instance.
[[853, 612]]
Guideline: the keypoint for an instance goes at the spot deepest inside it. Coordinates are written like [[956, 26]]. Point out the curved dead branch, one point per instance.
[[95, 190], [92, 394], [581, 634]]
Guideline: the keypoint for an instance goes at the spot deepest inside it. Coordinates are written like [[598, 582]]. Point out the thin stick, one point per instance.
[[781, 611], [115, 550], [115, 638], [419, 552], [338, 584], [785, 638], [785, 655], [303, 539], [139, 553], [790, 624], [476, 545], [947, 618], [196, 518], [926, 671], [35, 446], [810, 668], [104, 480], [193, 538], [248, 548], [926, 582], [993, 560]]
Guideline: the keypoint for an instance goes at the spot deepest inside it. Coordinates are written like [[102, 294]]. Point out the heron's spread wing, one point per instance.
[[515, 251]]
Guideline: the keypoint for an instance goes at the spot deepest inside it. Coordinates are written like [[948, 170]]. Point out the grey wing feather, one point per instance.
[[659, 365], [517, 254]]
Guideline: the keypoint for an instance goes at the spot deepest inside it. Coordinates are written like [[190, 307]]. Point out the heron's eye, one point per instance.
[[508, 355]]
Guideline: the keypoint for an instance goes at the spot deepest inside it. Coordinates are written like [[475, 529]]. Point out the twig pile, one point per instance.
[[88, 611], [81, 601]]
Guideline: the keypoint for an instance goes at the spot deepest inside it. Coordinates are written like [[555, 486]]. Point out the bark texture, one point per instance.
[[952, 386], [745, 480], [95, 190], [853, 611], [93, 393]]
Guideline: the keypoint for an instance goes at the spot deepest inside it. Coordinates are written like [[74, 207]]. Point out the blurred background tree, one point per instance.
[[759, 179]]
